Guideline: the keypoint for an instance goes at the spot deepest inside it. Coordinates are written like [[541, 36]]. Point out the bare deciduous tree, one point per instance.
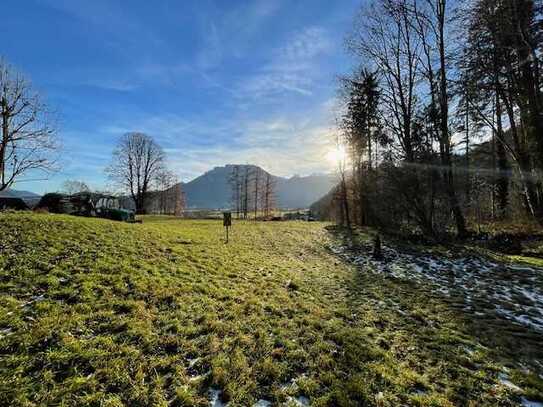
[[235, 182], [179, 199], [449, 73], [257, 180], [137, 161], [71, 187], [385, 37], [245, 193], [165, 181], [268, 198], [27, 138]]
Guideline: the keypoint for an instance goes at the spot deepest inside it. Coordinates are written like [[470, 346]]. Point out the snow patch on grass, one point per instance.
[[530, 403], [504, 380], [263, 403], [512, 291], [215, 398], [300, 401]]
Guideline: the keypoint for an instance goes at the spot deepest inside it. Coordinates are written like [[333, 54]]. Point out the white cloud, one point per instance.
[[268, 85], [211, 53], [112, 84], [231, 32], [285, 143], [307, 44], [288, 144], [293, 68]]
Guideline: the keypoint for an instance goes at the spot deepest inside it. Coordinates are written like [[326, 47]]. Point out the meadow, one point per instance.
[[164, 313]]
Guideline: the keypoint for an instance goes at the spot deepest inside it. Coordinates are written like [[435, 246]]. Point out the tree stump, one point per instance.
[[377, 253]]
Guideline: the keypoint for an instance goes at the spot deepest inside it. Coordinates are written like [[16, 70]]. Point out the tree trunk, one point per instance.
[[444, 125], [523, 162], [502, 182], [345, 202]]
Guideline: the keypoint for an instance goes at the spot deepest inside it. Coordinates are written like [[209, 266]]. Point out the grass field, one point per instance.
[[164, 313]]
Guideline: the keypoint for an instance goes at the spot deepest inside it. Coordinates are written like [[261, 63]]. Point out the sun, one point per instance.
[[337, 155]]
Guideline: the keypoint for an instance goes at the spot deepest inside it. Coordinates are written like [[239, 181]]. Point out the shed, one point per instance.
[[13, 203]]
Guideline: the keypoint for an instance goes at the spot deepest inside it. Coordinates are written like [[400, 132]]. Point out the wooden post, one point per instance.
[[227, 222]]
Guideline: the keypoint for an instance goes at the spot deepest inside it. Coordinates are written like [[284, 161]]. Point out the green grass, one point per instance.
[[99, 313]]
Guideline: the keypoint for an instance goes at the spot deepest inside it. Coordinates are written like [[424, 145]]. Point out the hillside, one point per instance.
[[212, 189], [164, 313]]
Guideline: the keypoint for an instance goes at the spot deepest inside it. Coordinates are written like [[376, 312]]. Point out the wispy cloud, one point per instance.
[[284, 144], [285, 141], [301, 153], [212, 51], [227, 83], [230, 31], [112, 84], [293, 67], [305, 45]]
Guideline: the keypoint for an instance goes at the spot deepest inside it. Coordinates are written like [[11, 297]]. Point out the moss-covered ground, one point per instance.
[[97, 313]]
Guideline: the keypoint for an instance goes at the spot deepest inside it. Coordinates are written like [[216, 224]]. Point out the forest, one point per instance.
[[442, 122]]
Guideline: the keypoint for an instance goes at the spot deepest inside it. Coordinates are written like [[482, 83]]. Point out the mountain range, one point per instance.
[[213, 190], [29, 197]]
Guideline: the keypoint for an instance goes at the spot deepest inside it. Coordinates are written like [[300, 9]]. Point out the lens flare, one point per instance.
[[337, 155]]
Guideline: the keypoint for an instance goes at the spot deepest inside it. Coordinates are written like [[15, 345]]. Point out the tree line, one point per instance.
[[442, 118], [253, 191]]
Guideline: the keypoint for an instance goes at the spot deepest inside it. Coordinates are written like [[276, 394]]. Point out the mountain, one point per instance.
[[324, 208], [30, 198], [301, 192], [12, 193], [212, 190]]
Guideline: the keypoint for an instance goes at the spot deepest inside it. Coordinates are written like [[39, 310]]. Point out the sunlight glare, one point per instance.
[[336, 155]]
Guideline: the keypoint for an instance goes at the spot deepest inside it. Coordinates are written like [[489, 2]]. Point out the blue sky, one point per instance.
[[214, 82]]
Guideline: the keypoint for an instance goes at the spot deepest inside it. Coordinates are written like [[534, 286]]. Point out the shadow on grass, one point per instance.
[[452, 350]]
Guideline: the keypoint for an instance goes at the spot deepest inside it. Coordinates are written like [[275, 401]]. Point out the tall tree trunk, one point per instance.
[[257, 184], [468, 146], [502, 182], [3, 143], [444, 124], [345, 201], [522, 160], [523, 14]]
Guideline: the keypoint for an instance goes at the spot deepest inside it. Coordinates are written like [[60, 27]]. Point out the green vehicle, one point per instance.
[[108, 207], [88, 204]]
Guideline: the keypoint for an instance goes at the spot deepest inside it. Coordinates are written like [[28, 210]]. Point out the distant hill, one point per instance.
[[212, 190], [301, 192], [12, 193], [30, 198], [324, 208]]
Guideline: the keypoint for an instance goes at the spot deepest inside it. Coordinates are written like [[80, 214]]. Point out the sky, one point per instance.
[[214, 82]]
